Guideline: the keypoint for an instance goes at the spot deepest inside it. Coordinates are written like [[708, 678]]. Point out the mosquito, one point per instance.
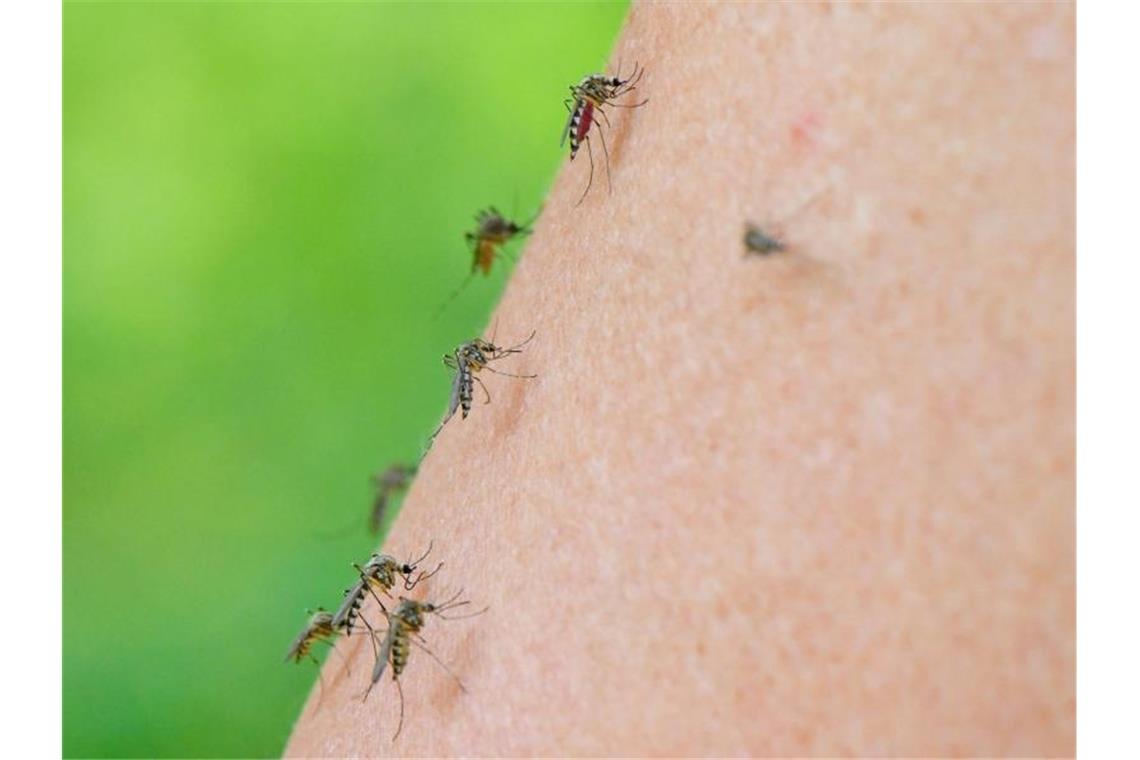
[[768, 241], [318, 628], [588, 97], [404, 625], [378, 574], [466, 360], [393, 480], [492, 232], [757, 240]]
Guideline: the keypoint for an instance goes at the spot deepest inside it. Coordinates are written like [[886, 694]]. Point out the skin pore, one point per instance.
[[814, 503]]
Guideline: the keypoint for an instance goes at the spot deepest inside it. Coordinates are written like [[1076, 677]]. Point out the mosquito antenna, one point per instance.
[[518, 346], [409, 585], [431, 543]]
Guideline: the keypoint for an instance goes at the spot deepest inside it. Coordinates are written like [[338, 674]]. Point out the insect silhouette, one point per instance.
[[466, 360], [380, 573], [393, 480], [492, 232], [757, 240], [588, 100], [770, 239], [404, 626]]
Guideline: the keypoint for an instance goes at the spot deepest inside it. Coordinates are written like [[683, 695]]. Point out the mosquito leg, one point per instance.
[[590, 181], [378, 601], [508, 374], [423, 645], [334, 650], [484, 387], [609, 185], [320, 684], [598, 109], [399, 689]]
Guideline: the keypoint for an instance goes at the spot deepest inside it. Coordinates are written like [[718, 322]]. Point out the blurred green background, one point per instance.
[[264, 204]]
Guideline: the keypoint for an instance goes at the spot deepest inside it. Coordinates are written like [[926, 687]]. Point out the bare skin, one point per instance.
[[819, 503]]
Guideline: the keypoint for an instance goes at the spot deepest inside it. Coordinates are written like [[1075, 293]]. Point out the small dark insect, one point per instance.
[[589, 97], [404, 625], [487, 240], [468, 359], [394, 479], [757, 240], [378, 574], [771, 240]]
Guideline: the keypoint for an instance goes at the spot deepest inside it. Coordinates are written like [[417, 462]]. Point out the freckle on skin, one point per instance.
[[804, 130]]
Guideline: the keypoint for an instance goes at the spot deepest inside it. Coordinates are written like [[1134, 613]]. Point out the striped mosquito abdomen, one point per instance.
[[466, 388], [318, 627], [583, 118], [346, 614], [405, 622], [400, 650]]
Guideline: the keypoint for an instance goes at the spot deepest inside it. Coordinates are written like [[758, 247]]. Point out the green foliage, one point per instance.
[[264, 204]]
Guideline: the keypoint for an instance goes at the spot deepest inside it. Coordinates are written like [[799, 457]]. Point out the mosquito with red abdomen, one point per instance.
[[588, 97], [404, 626]]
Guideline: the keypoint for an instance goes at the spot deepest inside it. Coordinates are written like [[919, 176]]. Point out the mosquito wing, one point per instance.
[[456, 390], [569, 122], [294, 652], [344, 612], [384, 653]]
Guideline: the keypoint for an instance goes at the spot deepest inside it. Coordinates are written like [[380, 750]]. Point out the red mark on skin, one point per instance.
[[805, 130], [585, 122]]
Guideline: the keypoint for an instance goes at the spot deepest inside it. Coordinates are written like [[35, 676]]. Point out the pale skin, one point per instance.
[[818, 503]]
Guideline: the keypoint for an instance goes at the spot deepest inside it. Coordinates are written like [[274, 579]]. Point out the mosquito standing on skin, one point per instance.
[[319, 628], [468, 359], [404, 625], [394, 479], [378, 574], [588, 98], [492, 233]]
